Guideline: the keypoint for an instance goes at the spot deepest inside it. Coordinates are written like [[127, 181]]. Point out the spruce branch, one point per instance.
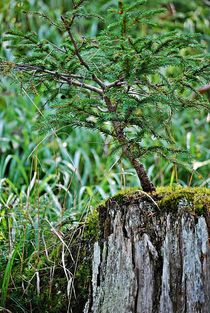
[[77, 53], [62, 77]]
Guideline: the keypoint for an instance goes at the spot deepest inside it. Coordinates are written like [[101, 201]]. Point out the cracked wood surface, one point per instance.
[[150, 262]]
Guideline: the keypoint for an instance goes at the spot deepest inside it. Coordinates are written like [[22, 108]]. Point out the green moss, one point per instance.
[[119, 196], [125, 194], [83, 270], [92, 226], [198, 198], [167, 198]]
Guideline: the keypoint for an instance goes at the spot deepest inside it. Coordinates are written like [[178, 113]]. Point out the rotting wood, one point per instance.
[[148, 262]]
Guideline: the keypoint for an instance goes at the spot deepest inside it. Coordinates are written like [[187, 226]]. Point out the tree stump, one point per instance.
[[151, 260]]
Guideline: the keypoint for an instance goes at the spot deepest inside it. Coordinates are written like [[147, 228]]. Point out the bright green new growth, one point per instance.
[[121, 84]]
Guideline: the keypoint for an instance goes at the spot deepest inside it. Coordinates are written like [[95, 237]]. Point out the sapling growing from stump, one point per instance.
[[124, 83]]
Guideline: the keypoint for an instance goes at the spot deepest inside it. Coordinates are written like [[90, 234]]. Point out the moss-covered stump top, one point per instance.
[[166, 199], [198, 198]]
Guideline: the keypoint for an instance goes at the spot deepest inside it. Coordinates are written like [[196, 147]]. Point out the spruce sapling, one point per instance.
[[123, 83]]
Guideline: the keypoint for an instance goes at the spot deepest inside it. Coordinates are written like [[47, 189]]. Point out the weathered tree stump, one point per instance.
[[151, 260]]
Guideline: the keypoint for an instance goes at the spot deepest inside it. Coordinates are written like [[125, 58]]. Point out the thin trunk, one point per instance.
[[145, 181]]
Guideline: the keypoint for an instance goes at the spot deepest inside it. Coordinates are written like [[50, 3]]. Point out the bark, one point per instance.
[[148, 261], [145, 182]]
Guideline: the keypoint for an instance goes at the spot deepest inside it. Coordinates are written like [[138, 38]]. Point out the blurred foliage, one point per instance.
[[49, 183]]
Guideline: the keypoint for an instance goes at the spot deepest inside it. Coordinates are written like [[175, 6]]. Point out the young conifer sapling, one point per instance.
[[122, 83]]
